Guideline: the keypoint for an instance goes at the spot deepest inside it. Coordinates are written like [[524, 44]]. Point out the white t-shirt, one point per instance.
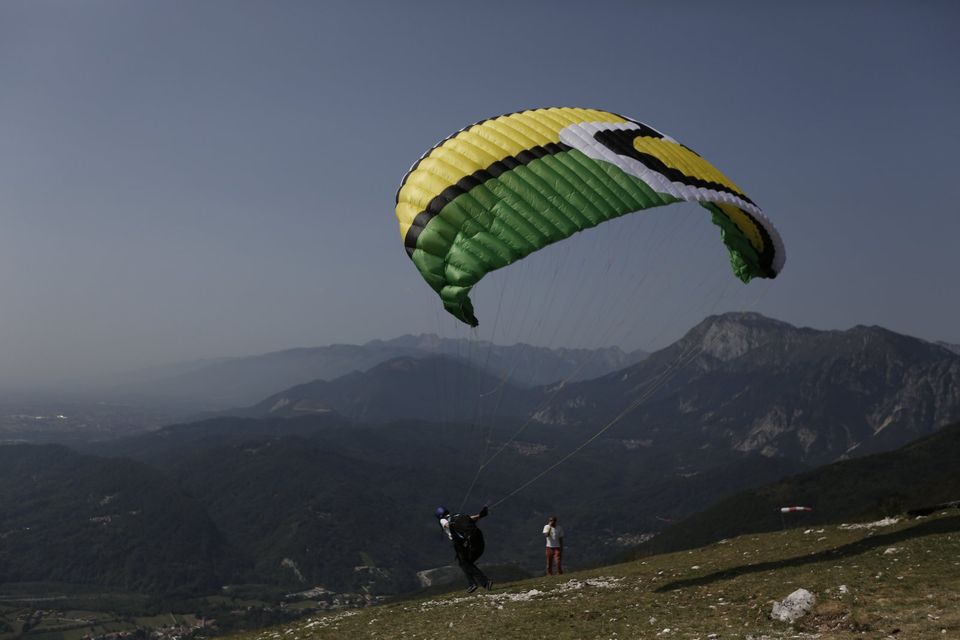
[[445, 523], [553, 535]]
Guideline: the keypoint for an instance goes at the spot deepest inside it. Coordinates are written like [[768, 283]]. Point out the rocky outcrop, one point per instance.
[[753, 384]]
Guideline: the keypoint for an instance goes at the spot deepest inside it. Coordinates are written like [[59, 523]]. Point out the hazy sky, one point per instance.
[[184, 180]]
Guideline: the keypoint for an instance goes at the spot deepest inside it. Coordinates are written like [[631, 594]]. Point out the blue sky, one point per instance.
[[186, 180]]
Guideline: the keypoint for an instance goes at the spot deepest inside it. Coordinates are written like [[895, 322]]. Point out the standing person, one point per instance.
[[554, 537], [467, 539]]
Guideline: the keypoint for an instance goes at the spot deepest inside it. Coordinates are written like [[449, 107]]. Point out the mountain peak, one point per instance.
[[731, 335], [954, 348]]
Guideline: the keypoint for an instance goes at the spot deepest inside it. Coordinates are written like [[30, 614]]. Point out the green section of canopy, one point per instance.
[[506, 218], [744, 259]]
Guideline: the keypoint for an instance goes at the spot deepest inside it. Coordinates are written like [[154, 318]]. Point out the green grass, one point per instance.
[[901, 580]]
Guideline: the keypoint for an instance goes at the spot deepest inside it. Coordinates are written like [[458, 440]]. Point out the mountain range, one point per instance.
[[737, 381], [230, 382], [333, 483]]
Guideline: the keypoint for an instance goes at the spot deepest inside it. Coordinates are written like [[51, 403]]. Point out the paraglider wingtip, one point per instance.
[[465, 314], [462, 310]]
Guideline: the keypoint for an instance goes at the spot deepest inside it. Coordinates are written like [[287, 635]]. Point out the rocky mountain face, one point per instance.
[[753, 384]]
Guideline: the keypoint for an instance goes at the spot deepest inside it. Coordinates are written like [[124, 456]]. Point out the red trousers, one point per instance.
[[553, 554]]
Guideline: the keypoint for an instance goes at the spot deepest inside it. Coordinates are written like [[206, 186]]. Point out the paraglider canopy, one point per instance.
[[503, 188]]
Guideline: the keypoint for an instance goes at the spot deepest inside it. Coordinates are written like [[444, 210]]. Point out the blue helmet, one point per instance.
[[440, 512]]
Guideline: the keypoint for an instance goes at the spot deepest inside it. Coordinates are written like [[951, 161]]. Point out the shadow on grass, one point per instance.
[[931, 527]]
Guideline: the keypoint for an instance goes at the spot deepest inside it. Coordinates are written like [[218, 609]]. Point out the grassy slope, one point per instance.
[[725, 589]]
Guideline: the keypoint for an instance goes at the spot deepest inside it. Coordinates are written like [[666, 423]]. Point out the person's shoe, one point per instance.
[[489, 585], [471, 588]]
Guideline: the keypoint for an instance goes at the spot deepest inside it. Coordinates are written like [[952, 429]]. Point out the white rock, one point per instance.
[[886, 522], [794, 606]]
